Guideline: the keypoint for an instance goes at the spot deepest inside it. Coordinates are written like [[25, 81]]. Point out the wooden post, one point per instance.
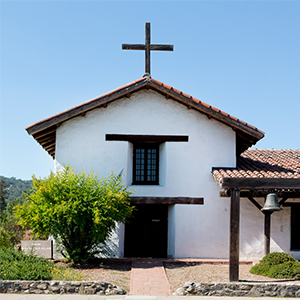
[[147, 50], [267, 231], [147, 47], [234, 234]]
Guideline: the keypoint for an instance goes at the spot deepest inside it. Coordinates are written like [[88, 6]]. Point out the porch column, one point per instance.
[[234, 234], [267, 231]]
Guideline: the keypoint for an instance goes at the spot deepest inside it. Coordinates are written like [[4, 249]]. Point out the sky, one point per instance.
[[242, 57]]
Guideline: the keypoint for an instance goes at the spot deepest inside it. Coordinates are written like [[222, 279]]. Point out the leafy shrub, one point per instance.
[[285, 270], [4, 238], [78, 210], [15, 265], [276, 258], [277, 265]]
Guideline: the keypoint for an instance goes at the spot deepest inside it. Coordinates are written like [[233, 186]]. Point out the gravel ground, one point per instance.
[[180, 273], [116, 273]]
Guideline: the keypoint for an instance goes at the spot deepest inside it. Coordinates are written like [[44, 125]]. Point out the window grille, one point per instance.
[[145, 164]]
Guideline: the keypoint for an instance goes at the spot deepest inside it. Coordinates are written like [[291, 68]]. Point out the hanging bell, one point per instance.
[[271, 203]]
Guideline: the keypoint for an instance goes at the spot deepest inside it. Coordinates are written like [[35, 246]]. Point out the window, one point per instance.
[[295, 227], [145, 164]]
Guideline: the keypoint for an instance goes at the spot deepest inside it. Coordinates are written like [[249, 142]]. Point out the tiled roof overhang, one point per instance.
[[259, 169], [44, 131]]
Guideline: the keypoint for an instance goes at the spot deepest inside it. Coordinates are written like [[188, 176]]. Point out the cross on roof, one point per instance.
[[147, 47]]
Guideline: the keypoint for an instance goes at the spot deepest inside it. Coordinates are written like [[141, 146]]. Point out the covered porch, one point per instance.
[[258, 174]]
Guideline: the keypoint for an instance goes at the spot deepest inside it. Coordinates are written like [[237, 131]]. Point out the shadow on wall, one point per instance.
[[252, 230]]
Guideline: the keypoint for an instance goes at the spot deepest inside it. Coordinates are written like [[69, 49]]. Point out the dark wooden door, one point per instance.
[[295, 227], [146, 232]]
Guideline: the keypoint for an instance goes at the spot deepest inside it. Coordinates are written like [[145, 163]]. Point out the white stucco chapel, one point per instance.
[[198, 185]]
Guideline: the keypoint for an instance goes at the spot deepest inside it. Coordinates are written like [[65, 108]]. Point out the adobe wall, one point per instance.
[[185, 170]]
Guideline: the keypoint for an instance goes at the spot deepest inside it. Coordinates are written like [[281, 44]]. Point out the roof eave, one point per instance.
[[260, 183], [249, 135], [85, 107], [211, 112]]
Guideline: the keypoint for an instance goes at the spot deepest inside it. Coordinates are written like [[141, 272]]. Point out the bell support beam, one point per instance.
[[234, 247], [232, 187], [254, 202], [261, 183]]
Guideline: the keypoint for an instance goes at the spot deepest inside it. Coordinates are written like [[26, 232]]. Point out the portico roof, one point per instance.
[[44, 131], [262, 168]]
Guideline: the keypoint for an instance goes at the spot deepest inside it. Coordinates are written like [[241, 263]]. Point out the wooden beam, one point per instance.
[[263, 193], [281, 202], [136, 138], [234, 234], [44, 132], [267, 231], [255, 202], [153, 47], [46, 139], [147, 47], [49, 147], [52, 153], [289, 204], [261, 183], [167, 200]]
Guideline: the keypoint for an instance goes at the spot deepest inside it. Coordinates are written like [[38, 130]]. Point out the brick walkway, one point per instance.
[[148, 278]]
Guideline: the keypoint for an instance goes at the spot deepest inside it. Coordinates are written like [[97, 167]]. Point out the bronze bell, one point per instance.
[[271, 203]]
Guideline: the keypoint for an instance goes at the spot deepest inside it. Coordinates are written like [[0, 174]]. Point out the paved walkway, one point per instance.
[[148, 277]]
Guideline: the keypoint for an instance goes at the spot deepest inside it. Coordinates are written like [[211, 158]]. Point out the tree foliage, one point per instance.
[[15, 187], [2, 196], [78, 210], [16, 201], [10, 230]]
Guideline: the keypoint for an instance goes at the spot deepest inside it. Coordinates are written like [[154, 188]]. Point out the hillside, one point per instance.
[[15, 187]]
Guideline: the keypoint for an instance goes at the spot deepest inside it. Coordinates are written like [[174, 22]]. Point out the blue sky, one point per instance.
[[242, 57]]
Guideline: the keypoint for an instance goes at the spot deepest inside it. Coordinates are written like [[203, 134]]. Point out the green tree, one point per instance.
[[16, 201], [78, 210], [15, 187], [13, 231], [2, 196]]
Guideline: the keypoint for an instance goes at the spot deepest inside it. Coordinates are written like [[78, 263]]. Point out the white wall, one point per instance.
[[185, 168], [252, 231]]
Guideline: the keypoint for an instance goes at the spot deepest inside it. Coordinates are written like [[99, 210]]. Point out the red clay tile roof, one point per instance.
[[262, 163], [44, 131]]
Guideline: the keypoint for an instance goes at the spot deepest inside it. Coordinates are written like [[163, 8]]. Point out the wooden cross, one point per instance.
[[147, 47]]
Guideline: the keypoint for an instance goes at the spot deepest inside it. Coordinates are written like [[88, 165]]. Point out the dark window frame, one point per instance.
[[145, 164], [295, 225]]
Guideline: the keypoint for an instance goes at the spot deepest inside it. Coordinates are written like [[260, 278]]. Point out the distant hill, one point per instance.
[[15, 187]]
